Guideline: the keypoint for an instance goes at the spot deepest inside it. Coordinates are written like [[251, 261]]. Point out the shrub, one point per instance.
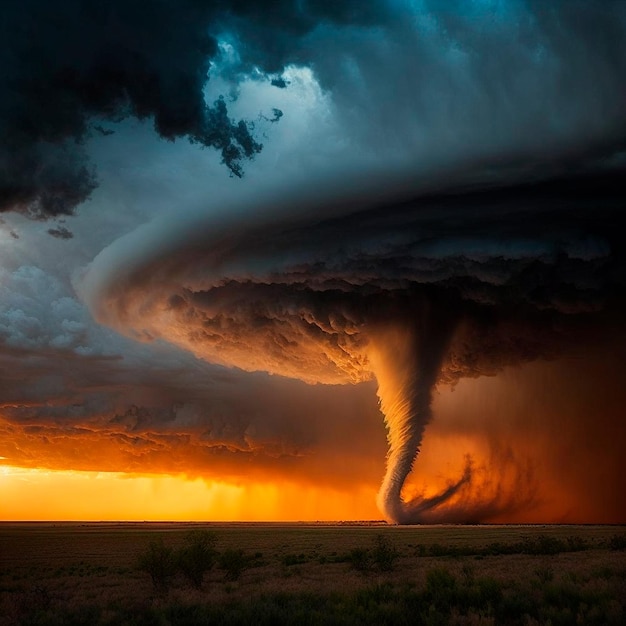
[[576, 544], [159, 562], [382, 556], [293, 559], [436, 549], [545, 574], [441, 589], [497, 548], [489, 593], [420, 550], [543, 544], [197, 555], [39, 598], [468, 573], [439, 578], [234, 562], [359, 559], [384, 553], [617, 542]]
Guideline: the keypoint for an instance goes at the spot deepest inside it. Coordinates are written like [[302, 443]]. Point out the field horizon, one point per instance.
[[355, 572]]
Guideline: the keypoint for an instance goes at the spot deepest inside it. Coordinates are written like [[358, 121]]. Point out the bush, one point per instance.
[[617, 542], [576, 544], [441, 589], [382, 556], [489, 593], [293, 559], [234, 562], [545, 574], [543, 544], [159, 562], [197, 555], [439, 578], [384, 553], [359, 559]]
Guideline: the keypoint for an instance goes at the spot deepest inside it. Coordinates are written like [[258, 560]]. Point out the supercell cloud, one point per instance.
[[439, 203], [413, 294]]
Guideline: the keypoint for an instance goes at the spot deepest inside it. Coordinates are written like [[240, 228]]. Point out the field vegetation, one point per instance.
[[179, 574]]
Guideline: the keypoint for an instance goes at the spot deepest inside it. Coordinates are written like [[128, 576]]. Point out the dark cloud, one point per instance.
[[73, 64], [511, 85], [113, 414], [427, 290], [272, 39], [60, 232], [453, 212], [71, 67], [533, 76]]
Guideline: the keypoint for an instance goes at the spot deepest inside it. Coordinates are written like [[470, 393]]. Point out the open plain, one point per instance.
[[313, 573]]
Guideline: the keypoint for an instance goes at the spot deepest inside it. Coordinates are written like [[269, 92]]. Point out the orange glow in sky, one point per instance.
[[542, 450], [38, 495]]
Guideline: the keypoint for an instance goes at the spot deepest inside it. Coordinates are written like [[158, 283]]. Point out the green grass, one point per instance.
[[442, 600], [311, 574]]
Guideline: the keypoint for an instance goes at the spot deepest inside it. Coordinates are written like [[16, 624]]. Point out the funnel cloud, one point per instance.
[[245, 245], [413, 294]]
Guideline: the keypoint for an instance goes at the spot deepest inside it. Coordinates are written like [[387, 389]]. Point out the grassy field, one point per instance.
[[313, 574]]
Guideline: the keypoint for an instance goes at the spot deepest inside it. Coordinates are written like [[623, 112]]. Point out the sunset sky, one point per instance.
[[255, 257]]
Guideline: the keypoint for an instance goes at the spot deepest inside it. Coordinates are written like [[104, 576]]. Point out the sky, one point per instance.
[[313, 260]]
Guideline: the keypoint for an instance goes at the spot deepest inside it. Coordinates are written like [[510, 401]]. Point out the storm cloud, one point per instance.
[[416, 293], [455, 82], [438, 205]]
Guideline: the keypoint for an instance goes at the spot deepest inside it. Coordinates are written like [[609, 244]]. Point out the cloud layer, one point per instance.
[[429, 290], [439, 203]]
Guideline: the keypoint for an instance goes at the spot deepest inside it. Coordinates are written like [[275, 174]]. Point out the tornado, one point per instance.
[[352, 338], [406, 359], [414, 295]]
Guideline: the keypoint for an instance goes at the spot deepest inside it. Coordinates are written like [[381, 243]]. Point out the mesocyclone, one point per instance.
[[413, 293]]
